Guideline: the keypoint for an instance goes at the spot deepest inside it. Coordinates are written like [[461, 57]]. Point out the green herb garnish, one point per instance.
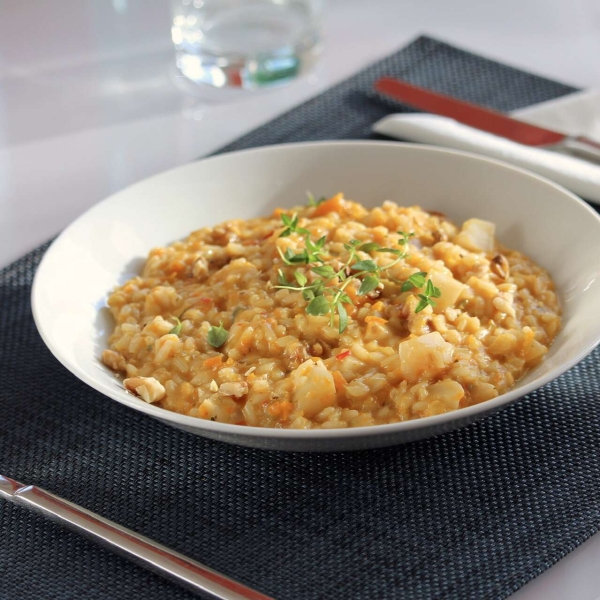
[[291, 225], [217, 336], [312, 201], [417, 280], [426, 299], [323, 296], [177, 329]]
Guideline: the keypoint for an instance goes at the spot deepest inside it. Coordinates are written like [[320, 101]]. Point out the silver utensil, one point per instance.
[[133, 546]]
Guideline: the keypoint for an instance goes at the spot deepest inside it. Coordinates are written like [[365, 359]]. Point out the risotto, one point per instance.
[[331, 315]]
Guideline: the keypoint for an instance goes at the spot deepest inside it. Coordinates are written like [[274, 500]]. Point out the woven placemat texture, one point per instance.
[[471, 514]]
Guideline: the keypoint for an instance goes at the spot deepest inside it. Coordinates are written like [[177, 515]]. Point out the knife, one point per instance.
[[486, 119]]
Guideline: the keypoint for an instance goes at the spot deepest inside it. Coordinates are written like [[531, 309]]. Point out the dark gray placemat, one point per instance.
[[348, 110], [472, 514]]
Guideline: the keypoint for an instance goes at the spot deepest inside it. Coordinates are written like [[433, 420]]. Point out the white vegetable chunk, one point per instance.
[[476, 235], [445, 395], [425, 356], [314, 387], [450, 288]]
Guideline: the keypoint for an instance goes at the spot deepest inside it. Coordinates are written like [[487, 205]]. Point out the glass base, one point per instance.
[[263, 70]]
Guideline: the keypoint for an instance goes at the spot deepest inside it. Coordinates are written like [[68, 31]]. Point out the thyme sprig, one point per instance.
[[326, 293], [426, 298], [312, 201], [291, 224]]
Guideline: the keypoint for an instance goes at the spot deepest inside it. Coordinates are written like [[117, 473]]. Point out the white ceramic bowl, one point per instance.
[[107, 245]]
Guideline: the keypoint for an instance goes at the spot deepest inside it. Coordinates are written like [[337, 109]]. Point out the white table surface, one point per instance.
[[88, 106]]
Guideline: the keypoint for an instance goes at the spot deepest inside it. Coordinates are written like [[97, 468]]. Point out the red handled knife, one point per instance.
[[485, 119]]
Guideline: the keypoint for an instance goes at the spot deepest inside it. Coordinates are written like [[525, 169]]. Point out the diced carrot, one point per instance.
[[278, 212], [281, 409], [350, 309], [268, 235], [340, 382], [213, 362], [334, 204], [177, 266], [377, 306], [351, 292], [343, 355], [373, 319]]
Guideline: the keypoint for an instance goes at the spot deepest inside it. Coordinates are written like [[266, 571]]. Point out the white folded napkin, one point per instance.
[[575, 114]]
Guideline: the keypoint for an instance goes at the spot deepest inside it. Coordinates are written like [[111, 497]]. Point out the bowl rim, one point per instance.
[[218, 429]]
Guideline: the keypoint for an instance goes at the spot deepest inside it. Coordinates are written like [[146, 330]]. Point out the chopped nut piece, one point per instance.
[[200, 268], [436, 213], [214, 386], [376, 293], [316, 349], [439, 235], [113, 360], [147, 388], [237, 389], [500, 267]]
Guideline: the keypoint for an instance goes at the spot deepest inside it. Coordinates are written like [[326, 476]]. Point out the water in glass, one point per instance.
[[245, 43]]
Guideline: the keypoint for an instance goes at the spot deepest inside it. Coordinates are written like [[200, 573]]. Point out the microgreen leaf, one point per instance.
[[291, 225], [318, 306], [324, 271], [281, 278], [293, 259], [343, 322], [369, 283], [217, 336], [300, 278], [352, 245], [437, 293], [312, 201], [429, 288], [426, 299], [370, 247], [365, 265], [177, 329], [343, 297], [424, 302], [416, 280]]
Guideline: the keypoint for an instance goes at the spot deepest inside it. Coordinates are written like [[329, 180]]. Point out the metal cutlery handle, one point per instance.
[[582, 146], [137, 548]]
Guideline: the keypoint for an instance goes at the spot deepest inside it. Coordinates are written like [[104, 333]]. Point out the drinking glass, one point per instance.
[[246, 43]]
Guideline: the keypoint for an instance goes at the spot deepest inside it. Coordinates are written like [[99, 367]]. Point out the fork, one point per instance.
[[139, 549]]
